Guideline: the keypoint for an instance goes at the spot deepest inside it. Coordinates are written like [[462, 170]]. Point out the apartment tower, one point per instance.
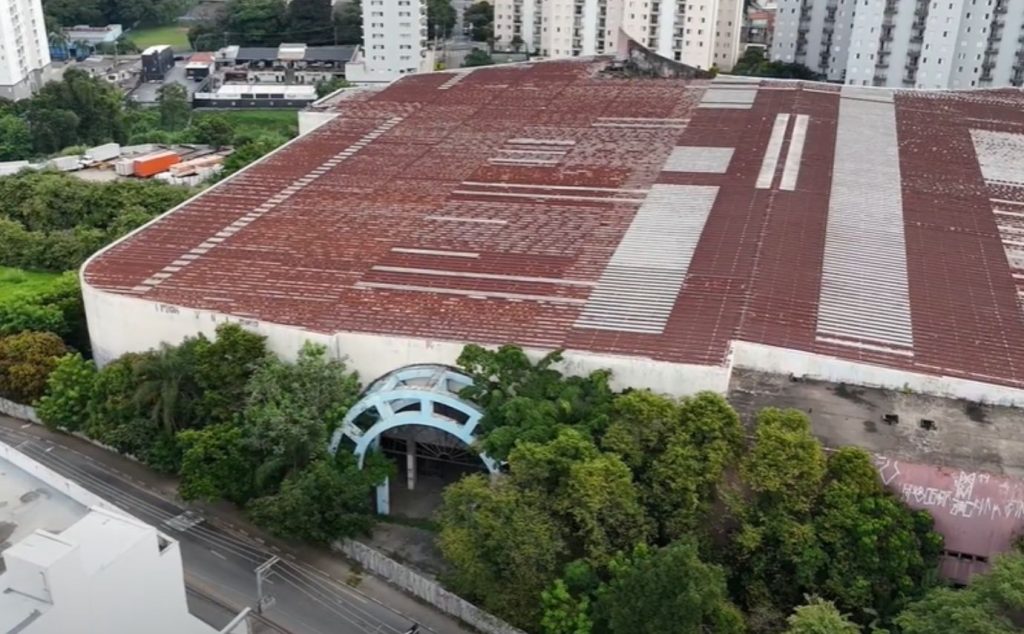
[[394, 41], [24, 49], [905, 43], [700, 33]]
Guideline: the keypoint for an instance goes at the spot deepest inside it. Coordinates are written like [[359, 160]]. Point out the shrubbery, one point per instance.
[[725, 535], [233, 421]]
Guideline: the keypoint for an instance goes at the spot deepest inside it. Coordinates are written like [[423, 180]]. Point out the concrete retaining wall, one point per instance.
[[17, 410], [425, 589]]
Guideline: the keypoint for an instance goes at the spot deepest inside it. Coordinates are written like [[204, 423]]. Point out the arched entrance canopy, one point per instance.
[[426, 395]]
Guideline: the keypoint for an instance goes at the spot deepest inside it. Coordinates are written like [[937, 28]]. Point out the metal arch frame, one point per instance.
[[426, 384]]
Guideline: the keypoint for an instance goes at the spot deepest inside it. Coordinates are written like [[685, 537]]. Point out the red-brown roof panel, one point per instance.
[[551, 205]]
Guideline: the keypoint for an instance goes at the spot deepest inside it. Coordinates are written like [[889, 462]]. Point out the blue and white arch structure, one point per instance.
[[424, 395]]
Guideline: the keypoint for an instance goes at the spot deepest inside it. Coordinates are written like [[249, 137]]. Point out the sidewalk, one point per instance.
[[230, 518]]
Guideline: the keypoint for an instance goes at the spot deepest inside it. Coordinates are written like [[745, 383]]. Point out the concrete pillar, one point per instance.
[[410, 464], [384, 497]]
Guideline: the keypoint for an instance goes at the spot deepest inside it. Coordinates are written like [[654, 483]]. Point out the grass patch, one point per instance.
[[176, 36], [421, 523], [16, 282], [283, 122]]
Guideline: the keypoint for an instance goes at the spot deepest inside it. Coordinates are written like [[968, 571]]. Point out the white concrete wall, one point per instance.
[[116, 327], [142, 589], [756, 356]]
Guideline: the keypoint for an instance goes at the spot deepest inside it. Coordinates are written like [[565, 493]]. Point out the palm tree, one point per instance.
[[166, 388]]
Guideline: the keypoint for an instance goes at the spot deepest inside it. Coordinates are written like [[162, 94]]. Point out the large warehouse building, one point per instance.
[[668, 230]]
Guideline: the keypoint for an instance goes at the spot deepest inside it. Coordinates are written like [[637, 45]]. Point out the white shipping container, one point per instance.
[[12, 167], [103, 152], [66, 163], [124, 167]]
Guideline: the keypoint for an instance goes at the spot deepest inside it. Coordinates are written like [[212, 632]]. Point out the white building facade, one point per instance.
[[24, 48], [699, 33], [394, 42], [104, 573], [905, 43]]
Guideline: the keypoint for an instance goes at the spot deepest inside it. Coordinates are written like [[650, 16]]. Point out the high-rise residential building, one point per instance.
[[905, 43], [24, 49], [394, 41], [700, 33]]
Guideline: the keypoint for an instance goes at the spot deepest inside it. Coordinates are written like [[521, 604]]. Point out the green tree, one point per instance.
[[819, 617], [666, 590], [213, 129], [503, 547], [324, 88], [223, 369], [309, 21], [325, 501], [564, 613], [787, 464], [255, 22], [26, 361], [69, 390], [992, 604], [97, 106], [166, 387], [477, 57], [175, 110], [53, 129], [684, 480], [479, 16], [441, 19], [524, 401], [15, 138], [251, 151], [880, 554], [348, 22], [291, 409], [216, 463], [591, 493], [776, 554], [755, 62]]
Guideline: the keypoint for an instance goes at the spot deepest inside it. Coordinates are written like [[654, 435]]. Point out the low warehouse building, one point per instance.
[[669, 230]]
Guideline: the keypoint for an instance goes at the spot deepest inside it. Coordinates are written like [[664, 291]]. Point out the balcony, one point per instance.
[[1000, 8]]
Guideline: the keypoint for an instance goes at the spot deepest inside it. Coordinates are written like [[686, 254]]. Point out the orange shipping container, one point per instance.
[[146, 166]]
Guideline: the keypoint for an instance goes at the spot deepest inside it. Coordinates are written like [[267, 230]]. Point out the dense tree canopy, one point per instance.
[[479, 18], [52, 221], [26, 360], [665, 590], [526, 401], [309, 21], [233, 421], [755, 62], [606, 472], [992, 604], [125, 12], [175, 110], [477, 57], [441, 19], [503, 546], [819, 617], [79, 109]]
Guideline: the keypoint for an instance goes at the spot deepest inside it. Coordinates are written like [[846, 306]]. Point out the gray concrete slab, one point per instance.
[[897, 424]]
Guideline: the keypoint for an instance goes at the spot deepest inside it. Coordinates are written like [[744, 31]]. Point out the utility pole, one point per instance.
[[262, 572]]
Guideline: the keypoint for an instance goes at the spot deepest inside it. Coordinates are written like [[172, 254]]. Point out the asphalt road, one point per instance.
[[220, 563]]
